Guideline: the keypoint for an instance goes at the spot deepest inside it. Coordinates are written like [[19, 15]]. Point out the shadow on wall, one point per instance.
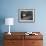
[[2, 21]]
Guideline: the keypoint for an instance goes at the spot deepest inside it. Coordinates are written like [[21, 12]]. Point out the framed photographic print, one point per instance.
[[26, 15]]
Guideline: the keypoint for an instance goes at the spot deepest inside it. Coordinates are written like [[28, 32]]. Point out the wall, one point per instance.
[[9, 8]]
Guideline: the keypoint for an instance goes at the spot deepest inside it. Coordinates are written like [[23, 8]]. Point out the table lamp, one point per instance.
[[9, 21]]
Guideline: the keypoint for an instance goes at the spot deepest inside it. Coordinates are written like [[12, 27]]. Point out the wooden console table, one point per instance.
[[20, 39]]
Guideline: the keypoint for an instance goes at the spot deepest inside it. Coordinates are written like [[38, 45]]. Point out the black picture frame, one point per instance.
[[26, 15]]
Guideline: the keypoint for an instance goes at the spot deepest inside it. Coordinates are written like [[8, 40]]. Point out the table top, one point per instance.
[[22, 35]]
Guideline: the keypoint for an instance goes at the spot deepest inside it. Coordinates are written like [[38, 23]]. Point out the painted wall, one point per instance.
[[9, 8]]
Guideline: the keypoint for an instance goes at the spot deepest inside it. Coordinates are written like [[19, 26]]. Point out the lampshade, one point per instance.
[[9, 21]]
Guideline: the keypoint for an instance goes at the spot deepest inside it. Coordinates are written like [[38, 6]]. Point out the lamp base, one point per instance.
[[9, 33]]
